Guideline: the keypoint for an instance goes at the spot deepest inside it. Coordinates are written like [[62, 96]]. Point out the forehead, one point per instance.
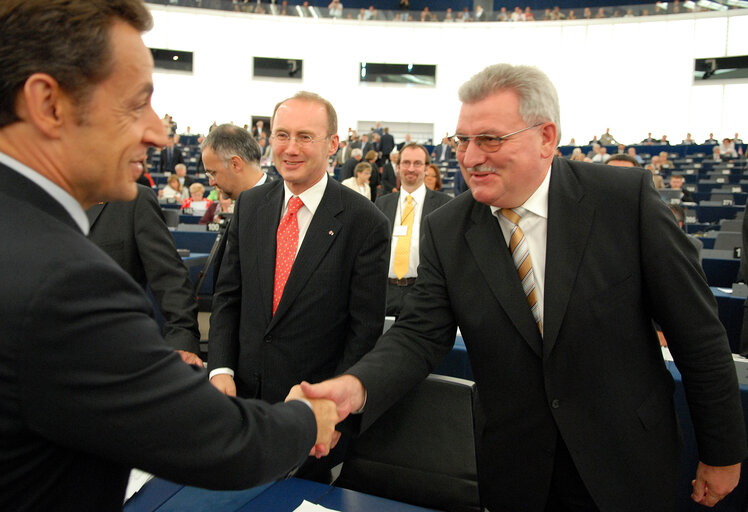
[[496, 113], [300, 115], [412, 154], [132, 66]]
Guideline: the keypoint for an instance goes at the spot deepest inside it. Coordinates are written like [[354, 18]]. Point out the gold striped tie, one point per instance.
[[402, 249], [521, 256]]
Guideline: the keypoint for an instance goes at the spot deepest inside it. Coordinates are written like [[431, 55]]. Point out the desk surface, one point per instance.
[[282, 496]]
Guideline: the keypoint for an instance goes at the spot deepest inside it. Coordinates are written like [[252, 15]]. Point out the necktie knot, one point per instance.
[[409, 199], [294, 204], [513, 214]]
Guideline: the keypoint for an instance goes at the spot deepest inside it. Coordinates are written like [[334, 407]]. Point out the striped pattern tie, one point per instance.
[[521, 256]]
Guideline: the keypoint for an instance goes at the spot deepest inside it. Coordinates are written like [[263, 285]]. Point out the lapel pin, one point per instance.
[[330, 233]]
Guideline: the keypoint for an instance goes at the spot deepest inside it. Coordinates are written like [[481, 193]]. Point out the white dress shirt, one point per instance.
[[534, 224]]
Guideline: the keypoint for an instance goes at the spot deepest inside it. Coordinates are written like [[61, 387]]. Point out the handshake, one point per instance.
[[332, 401]]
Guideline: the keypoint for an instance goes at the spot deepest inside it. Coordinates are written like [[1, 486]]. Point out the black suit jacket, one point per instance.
[[134, 234], [616, 261], [438, 153], [90, 389], [163, 164], [389, 180], [387, 144], [347, 170], [332, 309]]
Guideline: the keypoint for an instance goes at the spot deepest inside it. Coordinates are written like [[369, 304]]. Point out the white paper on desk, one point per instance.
[[725, 290], [307, 506], [138, 479]]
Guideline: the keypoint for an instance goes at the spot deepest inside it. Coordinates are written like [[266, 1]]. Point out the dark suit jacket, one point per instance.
[[90, 389], [163, 163], [433, 200], [347, 170], [332, 309], [387, 144], [438, 153], [616, 261], [134, 234], [389, 180]]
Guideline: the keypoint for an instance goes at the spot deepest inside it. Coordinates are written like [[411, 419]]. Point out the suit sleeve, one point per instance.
[[685, 308], [367, 293], [166, 275], [422, 336], [100, 380], [227, 296]]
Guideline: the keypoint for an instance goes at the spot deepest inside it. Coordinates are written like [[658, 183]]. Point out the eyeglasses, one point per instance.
[[211, 174], [282, 138], [488, 143], [416, 165]]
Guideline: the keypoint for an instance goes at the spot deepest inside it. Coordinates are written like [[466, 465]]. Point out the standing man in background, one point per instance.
[[406, 212], [556, 295]]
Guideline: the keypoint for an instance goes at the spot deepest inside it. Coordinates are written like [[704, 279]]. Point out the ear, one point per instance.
[[235, 163], [548, 139], [43, 104], [334, 143]]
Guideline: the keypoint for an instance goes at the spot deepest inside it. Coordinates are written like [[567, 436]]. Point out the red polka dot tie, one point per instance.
[[287, 240]]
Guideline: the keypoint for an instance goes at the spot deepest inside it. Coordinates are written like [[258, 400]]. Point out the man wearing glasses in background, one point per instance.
[[555, 293], [301, 290]]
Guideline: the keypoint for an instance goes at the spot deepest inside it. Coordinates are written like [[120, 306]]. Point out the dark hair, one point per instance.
[[228, 140], [65, 39], [624, 158], [418, 146]]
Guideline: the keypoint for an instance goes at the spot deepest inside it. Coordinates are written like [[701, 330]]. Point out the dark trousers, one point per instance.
[[568, 493], [395, 297]]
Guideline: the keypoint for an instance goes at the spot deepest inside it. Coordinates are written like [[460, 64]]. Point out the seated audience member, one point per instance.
[[680, 216], [621, 149], [665, 162], [433, 179], [602, 155], [649, 140], [727, 149], [737, 139], [577, 155], [629, 161], [711, 140], [664, 141], [224, 204], [181, 171], [172, 190], [716, 155], [134, 234], [632, 153], [676, 183], [347, 170], [654, 165], [196, 201], [592, 153], [688, 139], [360, 180], [593, 141]]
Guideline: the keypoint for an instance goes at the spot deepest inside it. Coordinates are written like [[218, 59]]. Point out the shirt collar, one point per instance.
[[311, 197], [537, 203], [73, 207], [418, 195]]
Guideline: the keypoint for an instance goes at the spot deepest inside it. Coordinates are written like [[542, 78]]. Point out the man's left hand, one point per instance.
[[713, 483], [190, 358]]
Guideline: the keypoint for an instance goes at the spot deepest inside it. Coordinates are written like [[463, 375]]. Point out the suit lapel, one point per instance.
[[570, 216], [428, 206], [268, 214], [486, 242], [322, 232], [390, 207], [94, 212]]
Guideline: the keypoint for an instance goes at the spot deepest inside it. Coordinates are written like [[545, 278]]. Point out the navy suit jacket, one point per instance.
[[615, 262], [332, 309], [90, 390]]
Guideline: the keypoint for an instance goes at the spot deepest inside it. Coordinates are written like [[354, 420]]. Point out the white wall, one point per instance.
[[633, 76]]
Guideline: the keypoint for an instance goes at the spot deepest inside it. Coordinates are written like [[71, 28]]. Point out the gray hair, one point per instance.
[[227, 140], [357, 152], [538, 100]]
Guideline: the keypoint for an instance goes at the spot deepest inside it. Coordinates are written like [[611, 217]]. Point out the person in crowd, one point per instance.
[[92, 389], [630, 161], [443, 152], [231, 157], [606, 139], [223, 204], [406, 212], [649, 140], [688, 139], [386, 143], [359, 182], [433, 178], [716, 156], [335, 9], [577, 155], [172, 190], [389, 176], [375, 178], [347, 170], [523, 265], [197, 200], [727, 149], [676, 183], [631, 151], [181, 171], [663, 141], [711, 139], [278, 316], [602, 155], [737, 140], [134, 234], [170, 156], [665, 162]]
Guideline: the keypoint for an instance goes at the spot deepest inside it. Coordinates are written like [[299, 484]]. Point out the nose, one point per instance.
[[211, 180], [155, 133], [472, 156]]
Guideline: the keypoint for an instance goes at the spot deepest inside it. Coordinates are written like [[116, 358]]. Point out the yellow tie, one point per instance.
[[521, 256], [402, 249]]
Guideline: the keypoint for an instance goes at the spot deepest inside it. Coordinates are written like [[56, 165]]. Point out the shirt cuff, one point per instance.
[[221, 371]]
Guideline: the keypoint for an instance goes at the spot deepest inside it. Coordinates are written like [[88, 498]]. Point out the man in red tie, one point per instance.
[[301, 291]]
